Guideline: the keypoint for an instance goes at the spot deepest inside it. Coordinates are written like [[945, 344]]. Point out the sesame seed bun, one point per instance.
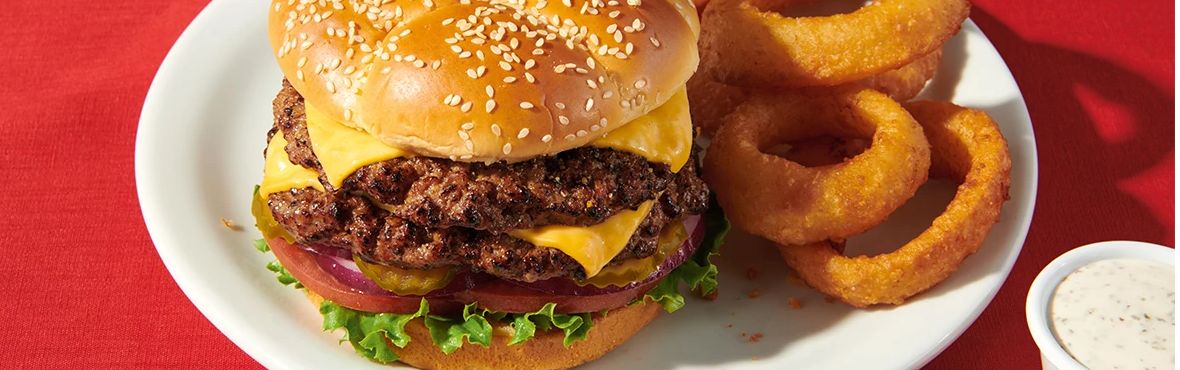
[[545, 350], [486, 81]]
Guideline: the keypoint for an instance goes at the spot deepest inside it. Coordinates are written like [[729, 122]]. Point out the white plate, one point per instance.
[[199, 153]]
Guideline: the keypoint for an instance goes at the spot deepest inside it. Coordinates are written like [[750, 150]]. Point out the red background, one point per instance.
[[82, 284]]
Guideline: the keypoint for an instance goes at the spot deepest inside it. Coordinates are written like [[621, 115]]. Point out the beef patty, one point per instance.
[[436, 212], [582, 186]]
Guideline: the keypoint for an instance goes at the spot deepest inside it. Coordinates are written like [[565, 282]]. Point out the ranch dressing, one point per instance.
[[1117, 314]]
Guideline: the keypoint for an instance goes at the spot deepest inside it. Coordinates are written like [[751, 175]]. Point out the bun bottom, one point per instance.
[[544, 351]]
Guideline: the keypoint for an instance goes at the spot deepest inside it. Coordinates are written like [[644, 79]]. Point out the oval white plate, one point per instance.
[[199, 153]]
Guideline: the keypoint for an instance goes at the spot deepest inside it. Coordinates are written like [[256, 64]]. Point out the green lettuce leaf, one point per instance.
[[368, 332], [525, 326], [448, 334]]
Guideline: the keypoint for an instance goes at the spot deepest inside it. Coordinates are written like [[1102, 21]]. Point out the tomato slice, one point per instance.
[[304, 267], [502, 296]]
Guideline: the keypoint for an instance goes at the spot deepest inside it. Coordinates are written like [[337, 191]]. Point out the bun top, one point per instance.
[[485, 80]]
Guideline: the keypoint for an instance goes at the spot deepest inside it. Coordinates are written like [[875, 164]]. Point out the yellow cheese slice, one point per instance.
[[342, 150], [664, 135], [591, 246], [279, 174]]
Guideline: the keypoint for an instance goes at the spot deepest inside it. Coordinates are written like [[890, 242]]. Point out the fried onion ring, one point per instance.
[[710, 100], [966, 146], [742, 43], [789, 203]]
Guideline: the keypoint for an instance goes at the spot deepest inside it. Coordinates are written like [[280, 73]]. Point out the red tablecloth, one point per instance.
[[82, 284]]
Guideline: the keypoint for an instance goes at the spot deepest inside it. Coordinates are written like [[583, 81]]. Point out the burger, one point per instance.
[[474, 184]]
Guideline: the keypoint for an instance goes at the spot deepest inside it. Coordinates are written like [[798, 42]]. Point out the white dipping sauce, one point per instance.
[[1117, 314]]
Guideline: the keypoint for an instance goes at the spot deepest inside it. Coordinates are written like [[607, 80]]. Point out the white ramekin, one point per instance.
[[1036, 308]]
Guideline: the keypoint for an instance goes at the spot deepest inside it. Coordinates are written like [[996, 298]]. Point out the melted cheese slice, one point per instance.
[[663, 135], [341, 149], [279, 174], [591, 246]]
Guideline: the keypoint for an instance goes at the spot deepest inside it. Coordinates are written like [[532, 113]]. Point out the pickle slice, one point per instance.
[[405, 281], [265, 221]]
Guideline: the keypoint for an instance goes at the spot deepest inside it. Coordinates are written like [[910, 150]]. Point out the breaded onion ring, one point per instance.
[[966, 146], [789, 203], [710, 100], [744, 44]]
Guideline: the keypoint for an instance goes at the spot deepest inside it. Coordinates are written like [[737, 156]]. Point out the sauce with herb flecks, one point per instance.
[[1117, 314]]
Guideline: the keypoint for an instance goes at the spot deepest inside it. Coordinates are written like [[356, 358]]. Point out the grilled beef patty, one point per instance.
[[436, 212], [582, 186]]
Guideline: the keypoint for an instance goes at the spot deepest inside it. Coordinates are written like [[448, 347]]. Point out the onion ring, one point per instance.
[[710, 101], [745, 45], [966, 146], [789, 203]]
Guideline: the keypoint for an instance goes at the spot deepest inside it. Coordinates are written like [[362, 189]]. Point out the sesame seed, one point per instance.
[[464, 135], [602, 121], [491, 92], [436, 64], [590, 62], [479, 71], [507, 148], [655, 41], [465, 54], [524, 132], [538, 52], [546, 138], [471, 73], [563, 119], [496, 129], [490, 105], [505, 66], [348, 114], [468, 126], [529, 77], [466, 107], [607, 94], [639, 84], [331, 87], [299, 75], [569, 137], [509, 79], [559, 68], [582, 133], [530, 64], [559, 105], [470, 145], [526, 105], [419, 63]]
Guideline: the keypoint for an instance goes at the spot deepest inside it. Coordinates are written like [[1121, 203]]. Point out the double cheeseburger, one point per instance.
[[475, 184]]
